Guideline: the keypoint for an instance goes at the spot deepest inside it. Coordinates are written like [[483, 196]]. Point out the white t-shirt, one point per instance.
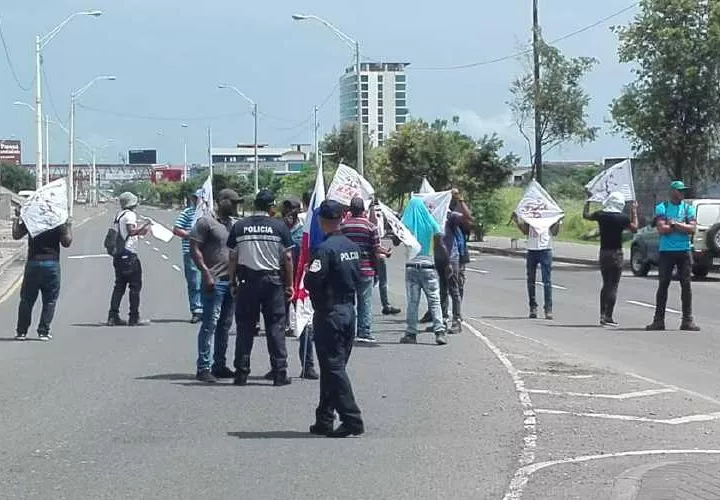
[[128, 218], [539, 240]]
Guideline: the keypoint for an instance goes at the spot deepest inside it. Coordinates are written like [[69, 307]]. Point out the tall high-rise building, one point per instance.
[[384, 98]]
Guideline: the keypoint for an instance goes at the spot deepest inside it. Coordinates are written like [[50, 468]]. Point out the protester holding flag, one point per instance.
[[183, 225], [420, 272], [612, 222], [41, 276], [378, 219]]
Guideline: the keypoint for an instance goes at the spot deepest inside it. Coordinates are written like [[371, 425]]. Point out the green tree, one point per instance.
[[562, 102], [671, 112], [342, 143], [16, 178]]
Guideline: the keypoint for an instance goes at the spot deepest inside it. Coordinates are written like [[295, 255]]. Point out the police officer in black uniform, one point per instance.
[[332, 279], [261, 268]]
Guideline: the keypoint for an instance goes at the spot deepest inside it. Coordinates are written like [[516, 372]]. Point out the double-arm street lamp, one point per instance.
[[255, 115]]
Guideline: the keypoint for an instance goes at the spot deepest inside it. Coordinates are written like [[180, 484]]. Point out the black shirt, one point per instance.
[[46, 246], [334, 273], [612, 226]]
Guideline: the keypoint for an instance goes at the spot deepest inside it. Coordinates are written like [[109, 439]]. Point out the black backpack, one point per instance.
[[114, 242]]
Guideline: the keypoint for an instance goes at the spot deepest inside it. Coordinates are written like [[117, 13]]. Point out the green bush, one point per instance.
[[16, 178]]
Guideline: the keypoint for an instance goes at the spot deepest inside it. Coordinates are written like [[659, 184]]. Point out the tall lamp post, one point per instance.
[[255, 126], [40, 43], [48, 122], [356, 48], [73, 98], [185, 164], [92, 193]]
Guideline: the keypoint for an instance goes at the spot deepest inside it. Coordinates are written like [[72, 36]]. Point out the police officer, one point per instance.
[[332, 280], [261, 269]]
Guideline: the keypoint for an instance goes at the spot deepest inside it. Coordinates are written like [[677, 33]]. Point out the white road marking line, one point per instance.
[[531, 469], [556, 287], [527, 455], [553, 374], [147, 243], [96, 256], [651, 306], [176, 268], [676, 388], [626, 395], [706, 417], [479, 271], [164, 256], [12, 289], [156, 249]]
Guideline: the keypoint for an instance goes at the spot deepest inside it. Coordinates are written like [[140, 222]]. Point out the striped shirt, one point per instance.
[[364, 234], [185, 221]]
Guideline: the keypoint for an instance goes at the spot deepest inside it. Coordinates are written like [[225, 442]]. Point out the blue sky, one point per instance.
[[169, 56]]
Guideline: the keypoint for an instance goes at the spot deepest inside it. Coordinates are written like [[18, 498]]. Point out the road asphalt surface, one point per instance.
[[510, 408]]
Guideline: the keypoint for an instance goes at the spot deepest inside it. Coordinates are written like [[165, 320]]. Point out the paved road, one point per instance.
[[115, 412], [512, 407]]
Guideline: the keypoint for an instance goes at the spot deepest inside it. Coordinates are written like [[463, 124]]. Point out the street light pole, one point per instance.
[[47, 149], [316, 147], [185, 162], [536, 94], [255, 126], [354, 44]]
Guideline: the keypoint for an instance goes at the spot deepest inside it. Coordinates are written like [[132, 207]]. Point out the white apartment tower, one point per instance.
[[384, 98]]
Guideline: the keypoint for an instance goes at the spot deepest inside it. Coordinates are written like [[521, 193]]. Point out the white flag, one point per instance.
[[159, 231], [537, 208], [619, 177], [401, 231], [438, 203], [205, 200], [426, 187], [348, 184], [47, 208]]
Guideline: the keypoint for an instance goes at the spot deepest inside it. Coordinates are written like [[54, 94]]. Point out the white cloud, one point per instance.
[[475, 125]]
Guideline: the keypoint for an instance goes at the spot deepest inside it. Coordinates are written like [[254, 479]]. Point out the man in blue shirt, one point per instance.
[[182, 228], [675, 221]]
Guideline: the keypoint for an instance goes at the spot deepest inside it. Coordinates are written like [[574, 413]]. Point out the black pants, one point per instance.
[[668, 262], [307, 358], [128, 274], [611, 265], [260, 293], [451, 287], [334, 335], [41, 277]]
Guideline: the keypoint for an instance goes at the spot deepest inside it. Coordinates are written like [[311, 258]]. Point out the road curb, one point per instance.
[[627, 485], [510, 252]]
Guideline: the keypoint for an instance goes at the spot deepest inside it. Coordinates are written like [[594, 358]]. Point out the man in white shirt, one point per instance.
[[128, 271], [539, 252]]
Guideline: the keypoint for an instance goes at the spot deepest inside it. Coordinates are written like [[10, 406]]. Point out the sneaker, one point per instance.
[[320, 430], [441, 338], [205, 376], [549, 315], [343, 431], [281, 379], [655, 326], [366, 339], [390, 310], [455, 327], [309, 374], [223, 372], [610, 322], [196, 318], [408, 339], [689, 326], [240, 379], [138, 322], [269, 375], [44, 336], [427, 318], [533, 313], [21, 336], [116, 321]]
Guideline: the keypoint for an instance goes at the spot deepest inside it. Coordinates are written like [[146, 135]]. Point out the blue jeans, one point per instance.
[[383, 282], [192, 276], [41, 277], [364, 306], [218, 309], [417, 281], [544, 259]]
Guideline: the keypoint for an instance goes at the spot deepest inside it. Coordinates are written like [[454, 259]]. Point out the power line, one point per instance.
[[529, 50], [49, 94], [162, 118], [305, 121], [11, 65]]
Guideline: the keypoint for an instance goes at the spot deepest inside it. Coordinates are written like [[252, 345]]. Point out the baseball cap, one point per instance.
[[264, 199], [678, 185], [330, 210], [229, 194]]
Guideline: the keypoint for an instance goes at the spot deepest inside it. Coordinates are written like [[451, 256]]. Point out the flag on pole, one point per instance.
[[348, 184], [438, 203], [401, 231], [311, 238], [426, 187], [537, 208], [46, 209], [205, 200], [619, 177]]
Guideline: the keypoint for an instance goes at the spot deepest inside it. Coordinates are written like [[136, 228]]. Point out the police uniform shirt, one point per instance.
[[261, 242], [334, 272]]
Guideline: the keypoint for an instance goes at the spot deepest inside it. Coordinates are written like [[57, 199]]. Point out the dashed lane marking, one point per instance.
[[705, 417], [176, 267], [95, 256], [651, 306], [147, 243], [164, 256], [478, 271], [553, 374], [627, 395], [556, 287], [156, 249]]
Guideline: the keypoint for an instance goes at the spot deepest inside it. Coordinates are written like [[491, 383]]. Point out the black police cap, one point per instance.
[[330, 210]]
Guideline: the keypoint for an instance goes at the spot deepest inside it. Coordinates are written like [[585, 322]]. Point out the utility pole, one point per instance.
[[315, 141], [537, 164]]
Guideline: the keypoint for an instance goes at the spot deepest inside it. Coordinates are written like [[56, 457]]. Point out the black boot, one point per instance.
[[115, 320], [281, 379]]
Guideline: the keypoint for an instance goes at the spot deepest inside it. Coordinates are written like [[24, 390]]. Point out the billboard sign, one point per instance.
[[10, 152], [142, 157]]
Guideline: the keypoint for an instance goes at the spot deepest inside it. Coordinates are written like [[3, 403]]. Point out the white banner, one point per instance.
[[47, 208], [426, 187], [537, 208], [348, 184], [402, 232], [619, 177], [438, 203], [205, 202], [159, 231]]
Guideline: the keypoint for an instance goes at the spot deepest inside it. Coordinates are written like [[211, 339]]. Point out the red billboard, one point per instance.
[[10, 152]]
